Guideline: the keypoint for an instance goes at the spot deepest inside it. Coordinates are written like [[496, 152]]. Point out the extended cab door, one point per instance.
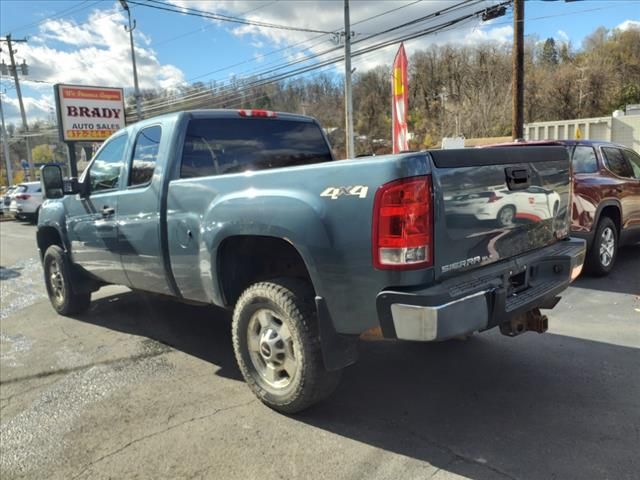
[[139, 212], [91, 221]]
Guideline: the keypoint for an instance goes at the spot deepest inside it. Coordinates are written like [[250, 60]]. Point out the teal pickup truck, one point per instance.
[[248, 210]]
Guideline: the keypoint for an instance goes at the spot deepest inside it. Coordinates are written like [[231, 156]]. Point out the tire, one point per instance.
[[506, 215], [277, 345], [602, 255], [57, 278]]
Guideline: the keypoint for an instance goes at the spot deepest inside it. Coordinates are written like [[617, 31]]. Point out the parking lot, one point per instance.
[[142, 387]]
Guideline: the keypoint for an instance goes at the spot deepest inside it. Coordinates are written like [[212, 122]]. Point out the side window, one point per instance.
[[584, 160], [617, 163], [145, 155], [107, 165], [634, 160]]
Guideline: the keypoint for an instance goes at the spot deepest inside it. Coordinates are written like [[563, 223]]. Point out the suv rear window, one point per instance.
[[229, 145]]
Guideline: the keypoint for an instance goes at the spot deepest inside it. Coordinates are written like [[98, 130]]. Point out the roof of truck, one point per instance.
[[231, 113]]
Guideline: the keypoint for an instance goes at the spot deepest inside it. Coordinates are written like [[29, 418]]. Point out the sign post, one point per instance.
[[87, 114]]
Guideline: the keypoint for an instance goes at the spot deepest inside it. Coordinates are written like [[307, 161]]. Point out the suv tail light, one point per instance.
[[403, 225], [23, 196]]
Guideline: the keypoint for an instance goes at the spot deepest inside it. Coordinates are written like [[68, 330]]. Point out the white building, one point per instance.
[[621, 127]]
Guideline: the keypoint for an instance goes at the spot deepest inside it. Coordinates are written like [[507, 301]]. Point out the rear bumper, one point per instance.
[[483, 298]]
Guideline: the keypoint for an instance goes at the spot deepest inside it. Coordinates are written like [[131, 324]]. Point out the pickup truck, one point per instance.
[[248, 210]]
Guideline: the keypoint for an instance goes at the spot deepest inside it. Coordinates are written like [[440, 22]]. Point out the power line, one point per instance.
[[305, 69], [202, 29], [272, 52], [217, 16], [154, 102], [76, 8], [333, 49]]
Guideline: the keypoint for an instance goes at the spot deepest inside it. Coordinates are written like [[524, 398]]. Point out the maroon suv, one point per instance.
[[606, 199]]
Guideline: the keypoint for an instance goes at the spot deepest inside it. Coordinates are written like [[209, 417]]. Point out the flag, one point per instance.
[[400, 101]]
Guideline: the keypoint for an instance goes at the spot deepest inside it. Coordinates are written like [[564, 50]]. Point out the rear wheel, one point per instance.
[[603, 252], [57, 277], [277, 346]]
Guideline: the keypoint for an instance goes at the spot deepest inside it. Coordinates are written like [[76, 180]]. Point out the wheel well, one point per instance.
[[244, 260], [46, 237], [613, 212]]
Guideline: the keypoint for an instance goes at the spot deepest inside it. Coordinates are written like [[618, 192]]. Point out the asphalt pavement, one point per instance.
[[143, 387]]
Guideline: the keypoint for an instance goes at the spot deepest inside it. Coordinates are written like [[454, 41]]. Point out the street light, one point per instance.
[[130, 29]]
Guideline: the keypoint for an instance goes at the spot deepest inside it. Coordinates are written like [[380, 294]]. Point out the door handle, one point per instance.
[[108, 211]]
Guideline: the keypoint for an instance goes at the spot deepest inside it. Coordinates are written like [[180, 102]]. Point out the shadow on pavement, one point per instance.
[[9, 273], [200, 331], [534, 407], [624, 278]]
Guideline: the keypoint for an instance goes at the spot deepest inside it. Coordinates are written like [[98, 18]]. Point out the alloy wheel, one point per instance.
[[271, 349], [607, 246]]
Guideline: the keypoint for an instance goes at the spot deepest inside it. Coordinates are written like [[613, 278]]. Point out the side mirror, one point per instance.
[[52, 182]]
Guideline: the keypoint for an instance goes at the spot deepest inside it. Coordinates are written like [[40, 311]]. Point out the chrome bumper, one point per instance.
[[413, 322]]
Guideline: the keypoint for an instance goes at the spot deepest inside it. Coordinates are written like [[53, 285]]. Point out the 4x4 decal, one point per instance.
[[359, 191]]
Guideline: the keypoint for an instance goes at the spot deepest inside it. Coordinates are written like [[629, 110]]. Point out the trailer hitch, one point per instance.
[[532, 320]]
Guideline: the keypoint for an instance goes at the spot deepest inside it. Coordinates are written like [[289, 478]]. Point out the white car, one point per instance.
[[505, 206], [26, 201], [5, 200]]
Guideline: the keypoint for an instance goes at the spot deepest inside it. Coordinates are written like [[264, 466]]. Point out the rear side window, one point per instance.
[[634, 160], [230, 145], [617, 163], [145, 155], [107, 165], [584, 160]]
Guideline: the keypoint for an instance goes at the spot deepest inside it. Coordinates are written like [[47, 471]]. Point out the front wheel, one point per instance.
[[57, 277], [277, 346], [603, 252]]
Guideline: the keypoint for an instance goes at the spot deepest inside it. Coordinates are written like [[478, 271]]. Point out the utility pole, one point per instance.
[[348, 101], [5, 145], [130, 30], [25, 126], [517, 104]]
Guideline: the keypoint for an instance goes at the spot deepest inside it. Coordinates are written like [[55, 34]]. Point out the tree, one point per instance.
[[549, 54], [42, 154]]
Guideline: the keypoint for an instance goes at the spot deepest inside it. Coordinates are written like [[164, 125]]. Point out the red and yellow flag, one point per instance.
[[400, 101]]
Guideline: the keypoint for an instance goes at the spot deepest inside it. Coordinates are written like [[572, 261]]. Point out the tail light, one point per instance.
[[403, 225], [257, 113], [23, 196], [494, 197]]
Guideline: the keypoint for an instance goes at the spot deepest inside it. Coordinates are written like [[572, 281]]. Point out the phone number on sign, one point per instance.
[[90, 134]]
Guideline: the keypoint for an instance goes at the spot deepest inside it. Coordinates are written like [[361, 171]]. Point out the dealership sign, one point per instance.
[[89, 114]]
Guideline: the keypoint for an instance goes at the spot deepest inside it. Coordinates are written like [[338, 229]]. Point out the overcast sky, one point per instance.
[[84, 42]]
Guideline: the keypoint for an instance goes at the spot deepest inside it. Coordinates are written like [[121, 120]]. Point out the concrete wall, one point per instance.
[[624, 130]]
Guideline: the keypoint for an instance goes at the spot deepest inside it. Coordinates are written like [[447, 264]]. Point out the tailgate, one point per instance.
[[495, 203]]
